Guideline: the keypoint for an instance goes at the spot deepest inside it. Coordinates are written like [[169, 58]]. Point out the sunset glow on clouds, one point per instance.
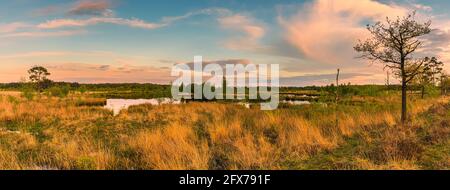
[[92, 41], [326, 30]]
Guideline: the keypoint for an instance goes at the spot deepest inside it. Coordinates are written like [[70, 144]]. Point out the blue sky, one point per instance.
[[139, 40]]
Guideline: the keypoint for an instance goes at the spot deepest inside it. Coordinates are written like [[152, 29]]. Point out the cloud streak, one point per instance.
[[35, 34], [89, 7], [134, 22], [250, 32], [61, 23], [221, 63], [12, 27], [101, 73]]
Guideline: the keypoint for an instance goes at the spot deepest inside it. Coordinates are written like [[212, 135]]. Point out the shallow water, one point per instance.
[[297, 102], [116, 105]]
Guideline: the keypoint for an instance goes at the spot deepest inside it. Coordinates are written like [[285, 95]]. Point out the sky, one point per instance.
[[115, 41]]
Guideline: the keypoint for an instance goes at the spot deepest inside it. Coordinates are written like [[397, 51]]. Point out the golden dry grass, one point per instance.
[[51, 133]]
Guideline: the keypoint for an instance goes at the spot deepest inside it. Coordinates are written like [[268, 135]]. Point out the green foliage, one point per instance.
[[354, 90], [59, 91], [129, 91], [82, 89], [13, 100], [45, 84], [28, 91], [38, 74], [432, 91], [445, 84], [85, 163]]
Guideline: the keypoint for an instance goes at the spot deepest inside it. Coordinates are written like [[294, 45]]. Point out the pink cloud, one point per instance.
[[138, 23], [34, 54], [60, 23], [243, 24], [36, 34], [325, 31], [249, 31], [422, 7], [49, 10], [12, 27], [91, 7], [101, 73]]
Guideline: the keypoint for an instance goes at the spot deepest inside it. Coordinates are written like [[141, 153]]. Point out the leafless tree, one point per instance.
[[393, 44]]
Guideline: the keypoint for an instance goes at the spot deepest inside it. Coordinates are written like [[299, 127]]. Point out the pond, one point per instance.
[[296, 102], [116, 105]]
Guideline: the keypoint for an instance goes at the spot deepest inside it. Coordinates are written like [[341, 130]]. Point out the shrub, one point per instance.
[[59, 91], [82, 89], [13, 100], [28, 92]]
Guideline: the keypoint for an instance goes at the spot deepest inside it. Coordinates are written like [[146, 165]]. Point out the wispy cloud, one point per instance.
[[91, 7], [250, 31], [77, 8], [422, 7], [61, 23], [33, 54], [101, 73], [222, 62], [12, 27], [49, 10], [35, 34], [134, 22]]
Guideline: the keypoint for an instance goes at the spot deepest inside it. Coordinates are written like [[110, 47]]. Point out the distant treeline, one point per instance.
[[90, 87], [347, 90], [112, 90], [148, 90]]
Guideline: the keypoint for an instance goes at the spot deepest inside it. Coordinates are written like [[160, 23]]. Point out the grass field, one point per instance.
[[75, 132]]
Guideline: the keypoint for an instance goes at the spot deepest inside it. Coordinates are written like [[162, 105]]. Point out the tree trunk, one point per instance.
[[337, 98], [404, 88], [423, 91], [442, 86], [403, 100], [337, 86]]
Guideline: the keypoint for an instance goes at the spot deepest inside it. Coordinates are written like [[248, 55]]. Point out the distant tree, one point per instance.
[[429, 74], [393, 44], [38, 75], [444, 83]]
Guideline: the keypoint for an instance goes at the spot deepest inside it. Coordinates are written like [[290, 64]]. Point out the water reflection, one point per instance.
[[116, 105]]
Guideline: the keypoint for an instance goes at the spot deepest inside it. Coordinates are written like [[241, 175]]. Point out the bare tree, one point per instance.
[[393, 44]]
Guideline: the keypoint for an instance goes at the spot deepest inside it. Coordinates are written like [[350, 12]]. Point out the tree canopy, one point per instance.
[[393, 43]]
